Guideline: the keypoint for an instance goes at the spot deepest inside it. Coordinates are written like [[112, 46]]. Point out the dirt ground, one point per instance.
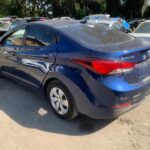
[[26, 123]]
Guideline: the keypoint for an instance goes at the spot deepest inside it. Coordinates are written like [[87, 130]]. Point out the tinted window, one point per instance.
[[39, 36], [106, 24], [15, 39], [2, 33], [144, 28], [99, 17], [117, 25], [85, 18], [95, 35]]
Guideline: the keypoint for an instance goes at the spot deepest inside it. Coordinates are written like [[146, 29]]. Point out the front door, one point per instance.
[[9, 48]]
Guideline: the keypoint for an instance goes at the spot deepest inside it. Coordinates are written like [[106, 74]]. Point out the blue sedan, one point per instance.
[[87, 69]]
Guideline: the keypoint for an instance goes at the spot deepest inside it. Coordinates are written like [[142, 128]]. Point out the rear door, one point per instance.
[[39, 54]]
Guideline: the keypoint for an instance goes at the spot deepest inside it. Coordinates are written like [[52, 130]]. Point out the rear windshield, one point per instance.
[[96, 35]]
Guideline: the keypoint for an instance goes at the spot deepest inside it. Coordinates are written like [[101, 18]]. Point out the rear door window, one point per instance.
[[39, 36]]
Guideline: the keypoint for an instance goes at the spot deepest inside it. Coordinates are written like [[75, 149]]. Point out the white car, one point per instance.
[[94, 18], [63, 18], [109, 22], [143, 30]]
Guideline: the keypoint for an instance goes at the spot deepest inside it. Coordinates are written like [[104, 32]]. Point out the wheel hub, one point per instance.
[[59, 101]]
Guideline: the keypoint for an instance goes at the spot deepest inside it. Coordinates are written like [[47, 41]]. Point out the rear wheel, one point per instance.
[[61, 100], [1, 75]]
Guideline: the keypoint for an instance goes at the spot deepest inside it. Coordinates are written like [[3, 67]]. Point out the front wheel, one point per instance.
[[61, 100]]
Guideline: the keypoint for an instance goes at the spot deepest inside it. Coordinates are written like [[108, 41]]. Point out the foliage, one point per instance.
[[147, 12], [134, 8], [73, 8], [4, 4], [113, 7]]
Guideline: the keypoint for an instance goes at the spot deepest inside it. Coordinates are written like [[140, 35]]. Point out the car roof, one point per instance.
[[57, 24]]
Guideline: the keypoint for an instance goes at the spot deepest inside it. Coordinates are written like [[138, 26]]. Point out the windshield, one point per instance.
[[144, 28], [95, 35]]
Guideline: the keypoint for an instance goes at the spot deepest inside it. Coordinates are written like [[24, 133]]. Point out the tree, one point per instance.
[[96, 7], [4, 7], [73, 8], [17, 7], [147, 12], [38, 7], [113, 7], [23, 8]]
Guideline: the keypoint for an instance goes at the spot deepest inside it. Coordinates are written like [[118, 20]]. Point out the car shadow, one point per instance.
[[32, 111]]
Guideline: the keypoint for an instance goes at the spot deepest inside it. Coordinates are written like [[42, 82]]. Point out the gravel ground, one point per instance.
[[27, 123]]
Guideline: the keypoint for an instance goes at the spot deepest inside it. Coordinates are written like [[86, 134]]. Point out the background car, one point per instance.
[[63, 18], [21, 21], [17, 22], [134, 23], [143, 30], [87, 69], [116, 23], [94, 18]]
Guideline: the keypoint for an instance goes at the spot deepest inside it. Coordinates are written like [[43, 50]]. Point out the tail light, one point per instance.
[[106, 67], [117, 106]]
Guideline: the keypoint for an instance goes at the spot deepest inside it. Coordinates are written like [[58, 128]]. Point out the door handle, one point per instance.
[[47, 56]]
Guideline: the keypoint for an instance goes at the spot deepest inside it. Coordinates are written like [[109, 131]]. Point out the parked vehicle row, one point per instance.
[[116, 23], [11, 22]]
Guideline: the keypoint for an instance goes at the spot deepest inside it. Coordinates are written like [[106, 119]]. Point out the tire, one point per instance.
[[61, 100], [1, 76]]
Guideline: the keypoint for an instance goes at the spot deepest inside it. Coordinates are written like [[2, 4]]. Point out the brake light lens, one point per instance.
[[117, 106], [106, 67]]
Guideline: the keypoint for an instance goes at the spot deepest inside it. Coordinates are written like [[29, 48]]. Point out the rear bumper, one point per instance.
[[106, 113], [110, 92], [135, 97]]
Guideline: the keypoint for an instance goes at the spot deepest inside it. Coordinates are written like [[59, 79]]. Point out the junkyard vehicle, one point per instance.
[[85, 69]]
